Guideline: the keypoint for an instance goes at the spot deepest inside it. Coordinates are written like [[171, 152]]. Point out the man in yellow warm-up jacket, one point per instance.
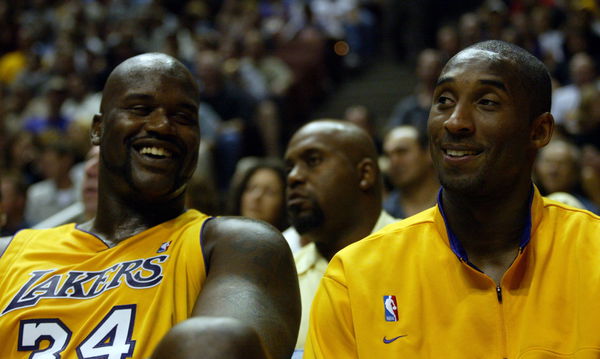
[[494, 270]]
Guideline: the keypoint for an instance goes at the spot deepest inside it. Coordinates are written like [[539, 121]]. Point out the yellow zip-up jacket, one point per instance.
[[65, 294], [408, 291]]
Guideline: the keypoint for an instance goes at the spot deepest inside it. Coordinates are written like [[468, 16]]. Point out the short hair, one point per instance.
[[532, 74]]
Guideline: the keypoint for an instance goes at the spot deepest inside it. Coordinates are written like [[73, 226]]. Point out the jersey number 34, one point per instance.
[[110, 339]]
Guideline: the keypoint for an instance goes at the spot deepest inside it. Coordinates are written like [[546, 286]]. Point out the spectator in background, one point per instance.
[[591, 173], [82, 103], [549, 36], [268, 79], [15, 105], [558, 169], [470, 29], [583, 125], [14, 196], [23, 151], [48, 119], [363, 117], [258, 191], [414, 109], [236, 109], [448, 42], [276, 74], [334, 194], [565, 99], [411, 172], [58, 190]]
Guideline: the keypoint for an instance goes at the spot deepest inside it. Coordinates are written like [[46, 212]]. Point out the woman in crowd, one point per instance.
[[258, 191]]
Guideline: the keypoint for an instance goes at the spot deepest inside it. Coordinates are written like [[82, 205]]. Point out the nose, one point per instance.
[[460, 121], [295, 176], [159, 122]]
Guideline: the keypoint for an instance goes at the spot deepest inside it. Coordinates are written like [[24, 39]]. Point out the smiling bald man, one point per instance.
[[494, 270], [146, 277]]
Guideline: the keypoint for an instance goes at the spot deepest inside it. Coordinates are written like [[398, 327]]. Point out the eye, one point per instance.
[[140, 110], [313, 160], [444, 100], [185, 118], [488, 103]]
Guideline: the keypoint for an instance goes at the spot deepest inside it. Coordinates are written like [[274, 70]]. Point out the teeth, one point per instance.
[[456, 153], [155, 151]]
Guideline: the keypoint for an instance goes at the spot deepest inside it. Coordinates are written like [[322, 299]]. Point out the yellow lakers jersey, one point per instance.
[[404, 292], [65, 294]]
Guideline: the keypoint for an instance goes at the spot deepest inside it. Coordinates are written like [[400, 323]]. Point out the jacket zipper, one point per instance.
[[502, 326]]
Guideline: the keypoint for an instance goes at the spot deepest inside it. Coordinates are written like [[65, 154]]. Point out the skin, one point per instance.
[[263, 196], [333, 184], [152, 101], [411, 170], [479, 107]]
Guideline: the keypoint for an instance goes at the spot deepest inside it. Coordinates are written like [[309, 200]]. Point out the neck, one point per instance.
[[117, 220], [487, 227], [331, 239]]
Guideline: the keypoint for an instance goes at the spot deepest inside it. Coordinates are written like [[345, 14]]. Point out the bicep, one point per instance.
[[252, 278]]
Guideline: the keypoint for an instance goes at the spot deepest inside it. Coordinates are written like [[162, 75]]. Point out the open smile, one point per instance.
[[460, 153], [155, 152]]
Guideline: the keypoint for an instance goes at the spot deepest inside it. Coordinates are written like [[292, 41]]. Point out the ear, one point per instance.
[[367, 170], [541, 130], [96, 131]]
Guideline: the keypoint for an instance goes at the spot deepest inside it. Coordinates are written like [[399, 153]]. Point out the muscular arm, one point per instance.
[[252, 285]]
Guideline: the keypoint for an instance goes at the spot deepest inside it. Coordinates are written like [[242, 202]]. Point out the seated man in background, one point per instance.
[[558, 170], [334, 195], [494, 270], [410, 171], [14, 195], [146, 278], [59, 188]]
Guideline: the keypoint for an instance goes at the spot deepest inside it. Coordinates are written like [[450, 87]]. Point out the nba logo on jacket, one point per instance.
[[390, 307]]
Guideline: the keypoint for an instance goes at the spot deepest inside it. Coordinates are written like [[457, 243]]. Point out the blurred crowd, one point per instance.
[[263, 67]]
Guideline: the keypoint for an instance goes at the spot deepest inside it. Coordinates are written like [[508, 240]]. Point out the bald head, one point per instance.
[[333, 183], [343, 136], [148, 129], [138, 68]]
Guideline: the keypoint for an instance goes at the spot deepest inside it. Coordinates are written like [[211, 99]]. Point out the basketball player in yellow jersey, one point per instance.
[[145, 278]]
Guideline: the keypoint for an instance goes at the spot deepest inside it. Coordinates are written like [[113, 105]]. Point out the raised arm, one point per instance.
[[250, 300]]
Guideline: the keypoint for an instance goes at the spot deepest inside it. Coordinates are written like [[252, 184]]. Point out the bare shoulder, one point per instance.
[[4, 241], [243, 236]]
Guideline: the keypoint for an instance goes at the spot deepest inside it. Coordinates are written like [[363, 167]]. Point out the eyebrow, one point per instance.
[[140, 96], [495, 83], [443, 80]]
